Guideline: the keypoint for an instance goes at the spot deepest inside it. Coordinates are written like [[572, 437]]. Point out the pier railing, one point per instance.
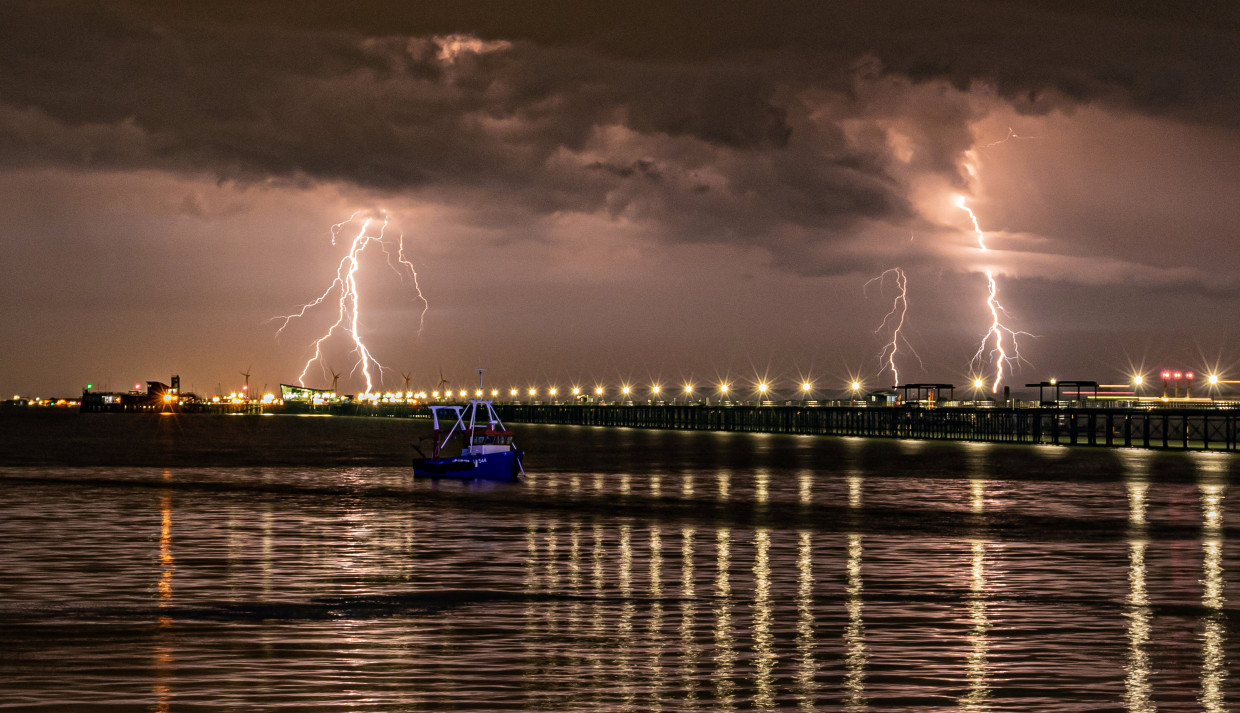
[[1169, 428]]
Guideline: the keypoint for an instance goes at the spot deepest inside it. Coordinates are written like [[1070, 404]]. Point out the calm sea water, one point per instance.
[[631, 571]]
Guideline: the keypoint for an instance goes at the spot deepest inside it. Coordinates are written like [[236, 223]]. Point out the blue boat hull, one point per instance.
[[492, 466]]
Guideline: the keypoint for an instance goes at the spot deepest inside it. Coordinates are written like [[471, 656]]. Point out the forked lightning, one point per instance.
[[346, 288]]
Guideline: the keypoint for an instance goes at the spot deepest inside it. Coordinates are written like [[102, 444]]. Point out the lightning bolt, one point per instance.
[[345, 287], [997, 328], [1011, 136], [899, 308]]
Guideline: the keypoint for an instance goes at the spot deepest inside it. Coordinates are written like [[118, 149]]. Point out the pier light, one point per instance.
[[856, 386], [656, 389], [625, 390], [533, 392], [553, 391], [723, 388], [762, 388], [598, 391], [435, 394], [806, 386], [478, 392], [167, 398], [576, 391], [979, 384], [1213, 379], [1054, 381], [1137, 380], [494, 393], [512, 392], [688, 388]]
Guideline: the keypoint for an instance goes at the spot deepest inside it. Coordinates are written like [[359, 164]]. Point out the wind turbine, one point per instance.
[[406, 376], [442, 381], [335, 380], [246, 374]]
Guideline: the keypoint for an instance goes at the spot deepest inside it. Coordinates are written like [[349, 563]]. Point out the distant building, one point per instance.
[[302, 395], [158, 397]]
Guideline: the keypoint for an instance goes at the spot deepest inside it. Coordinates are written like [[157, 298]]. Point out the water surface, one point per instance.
[[632, 570]]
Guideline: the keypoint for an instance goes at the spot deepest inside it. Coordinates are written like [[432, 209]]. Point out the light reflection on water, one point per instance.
[[807, 668], [1213, 487], [854, 631], [976, 671], [770, 587]]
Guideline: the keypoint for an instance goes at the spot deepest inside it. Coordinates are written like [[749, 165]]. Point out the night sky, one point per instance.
[[623, 191]]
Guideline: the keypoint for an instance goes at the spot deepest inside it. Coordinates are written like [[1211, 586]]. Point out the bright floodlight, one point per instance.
[[805, 386], [598, 391], [656, 388], [1136, 380], [512, 392], [533, 391], [856, 385], [553, 391], [762, 388], [978, 383], [688, 388], [576, 391], [494, 392], [478, 392], [723, 388], [1213, 378], [625, 390]]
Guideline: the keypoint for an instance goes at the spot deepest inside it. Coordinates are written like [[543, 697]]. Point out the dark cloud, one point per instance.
[[756, 123], [1159, 56], [741, 148]]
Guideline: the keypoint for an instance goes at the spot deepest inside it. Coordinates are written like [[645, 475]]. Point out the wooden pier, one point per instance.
[[1214, 429]]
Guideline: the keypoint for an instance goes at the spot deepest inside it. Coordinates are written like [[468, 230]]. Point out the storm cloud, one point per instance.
[[804, 139]]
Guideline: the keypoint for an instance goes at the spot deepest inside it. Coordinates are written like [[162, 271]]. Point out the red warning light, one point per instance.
[[1179, 375], [1166, 375], [1189, 375]]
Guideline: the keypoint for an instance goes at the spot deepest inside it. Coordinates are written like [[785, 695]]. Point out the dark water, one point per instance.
[[632, 571]]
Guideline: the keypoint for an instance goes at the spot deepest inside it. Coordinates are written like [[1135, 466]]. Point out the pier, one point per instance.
[[1214, 429]]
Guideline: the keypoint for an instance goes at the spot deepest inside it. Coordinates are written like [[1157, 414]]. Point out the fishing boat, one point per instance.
[[488, 452]]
